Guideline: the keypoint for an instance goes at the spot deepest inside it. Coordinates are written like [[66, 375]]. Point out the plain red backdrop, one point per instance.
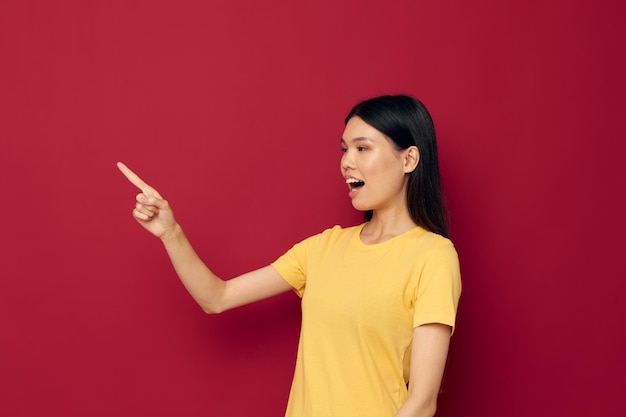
[[233, 110]]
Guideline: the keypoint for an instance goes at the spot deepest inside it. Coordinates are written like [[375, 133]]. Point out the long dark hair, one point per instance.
[[406, 122]]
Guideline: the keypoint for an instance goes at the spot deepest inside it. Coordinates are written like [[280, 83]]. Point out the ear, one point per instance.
[[411, 159]]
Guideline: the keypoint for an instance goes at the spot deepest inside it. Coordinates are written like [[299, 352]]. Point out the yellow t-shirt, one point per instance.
[[360, 304]]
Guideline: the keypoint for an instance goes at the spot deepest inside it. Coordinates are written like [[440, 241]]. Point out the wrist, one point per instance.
[[172, 234]]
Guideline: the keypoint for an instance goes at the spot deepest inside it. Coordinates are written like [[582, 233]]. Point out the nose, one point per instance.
[[347, 162]]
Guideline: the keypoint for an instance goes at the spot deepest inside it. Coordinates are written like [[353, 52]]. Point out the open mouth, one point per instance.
[[355, 183]]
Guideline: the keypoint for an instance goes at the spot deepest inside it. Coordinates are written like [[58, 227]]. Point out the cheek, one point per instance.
[[384, 165], [391, 173]]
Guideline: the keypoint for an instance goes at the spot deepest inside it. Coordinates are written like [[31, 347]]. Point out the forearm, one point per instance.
[[205, 287], [212, 293]]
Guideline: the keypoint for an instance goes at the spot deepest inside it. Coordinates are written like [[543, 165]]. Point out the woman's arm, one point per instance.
[[212, 293], [428, 360]]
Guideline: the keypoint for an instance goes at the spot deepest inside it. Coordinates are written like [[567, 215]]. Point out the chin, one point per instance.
[[361, 207]]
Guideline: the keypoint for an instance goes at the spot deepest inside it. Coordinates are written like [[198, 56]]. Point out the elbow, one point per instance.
[[431, 409], [213, 301], [211, 304], [427, 409], [208, 310], [212, 308], [423, 406], [429, 406]]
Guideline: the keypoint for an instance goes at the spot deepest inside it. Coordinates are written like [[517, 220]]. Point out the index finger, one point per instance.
[[134, 179]]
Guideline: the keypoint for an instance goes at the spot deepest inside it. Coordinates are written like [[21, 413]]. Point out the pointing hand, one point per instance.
[[151, 210]]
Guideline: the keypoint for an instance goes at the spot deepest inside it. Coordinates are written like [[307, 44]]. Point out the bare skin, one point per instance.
[[213, 294], [368, 156]]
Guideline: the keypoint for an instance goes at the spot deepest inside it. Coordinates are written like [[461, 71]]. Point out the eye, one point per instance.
[[344, 149], [361, 148]]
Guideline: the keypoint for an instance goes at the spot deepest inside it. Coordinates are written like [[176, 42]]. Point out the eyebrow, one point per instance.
[[357, 140]]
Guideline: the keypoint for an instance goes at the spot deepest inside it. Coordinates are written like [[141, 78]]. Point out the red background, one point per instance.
[[233, 110]]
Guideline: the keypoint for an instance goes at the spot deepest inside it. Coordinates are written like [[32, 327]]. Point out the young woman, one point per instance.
[[379, 300]]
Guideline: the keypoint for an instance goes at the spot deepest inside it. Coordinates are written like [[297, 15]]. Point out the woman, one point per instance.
[[379, 300]]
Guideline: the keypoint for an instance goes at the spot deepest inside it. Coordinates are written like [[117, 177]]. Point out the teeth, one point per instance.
[[352, 181]]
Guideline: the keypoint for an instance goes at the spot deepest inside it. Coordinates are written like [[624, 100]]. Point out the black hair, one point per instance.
[[406, 122]]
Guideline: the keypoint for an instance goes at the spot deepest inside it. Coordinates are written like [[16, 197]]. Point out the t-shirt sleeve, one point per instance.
[[439, 288], [292, 266]]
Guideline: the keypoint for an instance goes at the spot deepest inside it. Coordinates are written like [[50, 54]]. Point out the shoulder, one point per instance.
[[428, 245], [427, 240], [336, 232], [327, 237]]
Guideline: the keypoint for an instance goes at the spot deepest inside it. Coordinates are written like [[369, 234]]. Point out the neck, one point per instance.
[[385, 225]]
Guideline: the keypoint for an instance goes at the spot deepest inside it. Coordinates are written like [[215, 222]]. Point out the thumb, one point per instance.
[[152, 200]]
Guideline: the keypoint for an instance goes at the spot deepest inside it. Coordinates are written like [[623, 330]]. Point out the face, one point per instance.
[[374, 170]]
